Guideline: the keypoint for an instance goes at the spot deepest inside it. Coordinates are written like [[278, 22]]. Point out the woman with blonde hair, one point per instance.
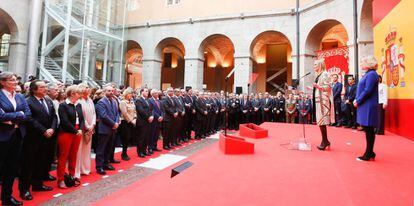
[[323, 101], [70, 133], [83, 163], [366, 102], [129, 118]]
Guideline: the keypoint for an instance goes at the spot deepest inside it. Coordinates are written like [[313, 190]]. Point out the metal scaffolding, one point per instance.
[[83, 40]]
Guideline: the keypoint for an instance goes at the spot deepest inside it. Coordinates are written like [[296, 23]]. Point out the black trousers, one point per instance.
[[9, 163], [370, 138], [167, 133], [351, 115], [104, 149], [338, 113], [177, 129], [381, 116], [267, 116], [143, 137], [186, 131], [35, 161], [154, 134], [127, 132]]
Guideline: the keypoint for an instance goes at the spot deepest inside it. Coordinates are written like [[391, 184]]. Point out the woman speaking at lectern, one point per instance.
[[323, 101]]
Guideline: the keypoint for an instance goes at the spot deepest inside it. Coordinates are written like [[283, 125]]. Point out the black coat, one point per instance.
[[41, 120], [144, 111], [169, 109]]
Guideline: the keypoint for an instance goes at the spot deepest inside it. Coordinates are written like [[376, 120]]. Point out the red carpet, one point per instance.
[[277, 176], [39, 197]]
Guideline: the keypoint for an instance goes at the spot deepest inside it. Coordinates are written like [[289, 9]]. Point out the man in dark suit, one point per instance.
[[246, 108], [279, 107], [266, 107], [190, 113], [144, 119], [108, 114], [14, 111], [337, 90], [256, 113], [171, 115], [158, 114], [38, 142], [350, 95], [180, 108], [202, 112]]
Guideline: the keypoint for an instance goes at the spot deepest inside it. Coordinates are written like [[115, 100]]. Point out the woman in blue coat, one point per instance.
[[367, 103]]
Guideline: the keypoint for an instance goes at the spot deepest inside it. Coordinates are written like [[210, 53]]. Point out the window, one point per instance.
[[172, 2], [4, 45]]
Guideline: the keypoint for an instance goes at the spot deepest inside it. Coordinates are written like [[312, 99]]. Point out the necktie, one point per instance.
[[44, 105], [158, 104]]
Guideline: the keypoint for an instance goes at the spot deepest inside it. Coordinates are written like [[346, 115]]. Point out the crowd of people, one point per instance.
[[44, 123]]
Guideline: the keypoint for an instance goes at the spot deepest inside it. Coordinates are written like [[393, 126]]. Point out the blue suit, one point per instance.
[[7, 113], [337, 90], [367, 100], [12, 132], [155, 125], [108, 115]]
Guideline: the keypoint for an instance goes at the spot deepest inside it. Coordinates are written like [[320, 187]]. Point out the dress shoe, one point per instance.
[[156, 150], [348, 126], [42, 188], [11, 201], [166, 148], [150, 151], [50, 178], [179, 145], [109, 167], [338, 125], [114, 161], [142, 155], [101, 171], [26, 195], [125, 157]]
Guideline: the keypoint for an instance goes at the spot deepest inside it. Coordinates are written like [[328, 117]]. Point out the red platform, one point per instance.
[[252, 131], [235, 145]]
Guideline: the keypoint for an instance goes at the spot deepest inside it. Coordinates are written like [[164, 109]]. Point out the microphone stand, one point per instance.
[[305, 146]]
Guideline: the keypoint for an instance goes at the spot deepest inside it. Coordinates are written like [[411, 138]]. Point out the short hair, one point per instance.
[[33, 86], [369, 62], [4, 76], [153, 91], [335, 75], [51, 86], [71, 89]]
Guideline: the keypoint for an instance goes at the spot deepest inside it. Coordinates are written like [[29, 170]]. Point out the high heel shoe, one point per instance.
[[367, 157], [323, 146], [62, 185]]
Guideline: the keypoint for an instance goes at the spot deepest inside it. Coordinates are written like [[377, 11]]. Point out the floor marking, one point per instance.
[[105, 176], [120, 170], [348, 143], [57, 195], [162, 161], [85, 184]]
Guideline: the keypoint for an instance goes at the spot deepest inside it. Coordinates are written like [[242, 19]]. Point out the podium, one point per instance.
[[235, 145], [252, 131]]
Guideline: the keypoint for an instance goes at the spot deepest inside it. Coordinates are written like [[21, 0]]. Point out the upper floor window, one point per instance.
[[173, 2]]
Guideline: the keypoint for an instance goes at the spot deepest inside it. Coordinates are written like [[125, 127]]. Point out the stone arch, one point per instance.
[[171, 52], [271, 53], [217, 52], [133, 64], [8, 34]]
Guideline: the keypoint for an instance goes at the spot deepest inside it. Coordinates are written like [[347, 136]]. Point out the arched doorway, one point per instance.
[[218, 53], [329, 38], [171, 52], [272, 61], [133, 67], [8, 31]]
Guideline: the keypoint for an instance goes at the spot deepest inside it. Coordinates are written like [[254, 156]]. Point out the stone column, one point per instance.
[[242, 72], [193, 73], [33, 41], [17, 58], [151, 73]]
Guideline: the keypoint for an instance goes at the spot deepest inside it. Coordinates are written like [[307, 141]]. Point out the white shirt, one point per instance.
[[76, 103], [88, 109], [382, 94], [11, 97]]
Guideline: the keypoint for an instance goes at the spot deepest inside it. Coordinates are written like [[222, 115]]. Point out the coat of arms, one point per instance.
[[393, 60]]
